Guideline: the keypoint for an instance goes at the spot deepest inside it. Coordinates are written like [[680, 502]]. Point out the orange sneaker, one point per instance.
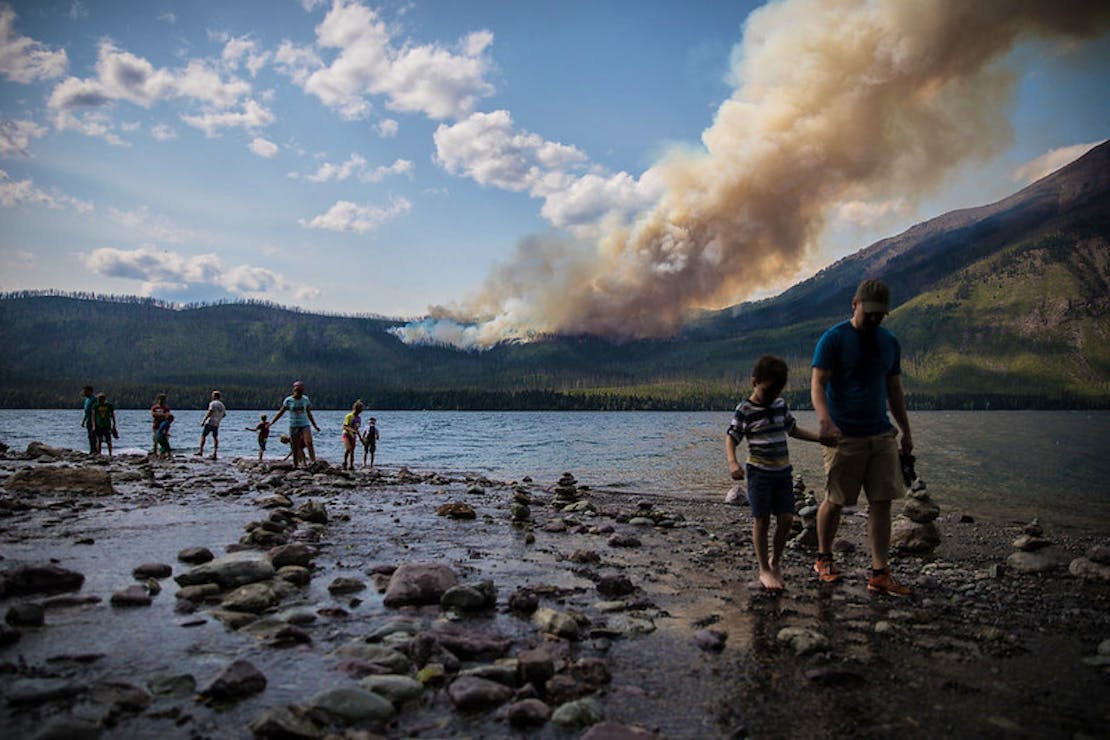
[[827, 570], [884, 583]]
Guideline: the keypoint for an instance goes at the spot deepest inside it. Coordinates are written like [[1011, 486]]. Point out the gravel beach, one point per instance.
[[197, 598]]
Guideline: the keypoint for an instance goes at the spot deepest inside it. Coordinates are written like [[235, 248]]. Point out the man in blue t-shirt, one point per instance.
[[857, 372]]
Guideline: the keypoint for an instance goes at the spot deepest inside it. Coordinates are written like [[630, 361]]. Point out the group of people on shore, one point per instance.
[[99, 419]]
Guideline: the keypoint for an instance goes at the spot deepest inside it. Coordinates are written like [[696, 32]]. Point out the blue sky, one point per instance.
[[387, 157]]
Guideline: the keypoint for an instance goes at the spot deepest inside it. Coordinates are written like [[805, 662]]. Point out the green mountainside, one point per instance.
[[1002, 306]]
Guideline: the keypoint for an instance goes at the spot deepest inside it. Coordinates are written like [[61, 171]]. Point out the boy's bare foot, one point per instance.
[[771, 581]]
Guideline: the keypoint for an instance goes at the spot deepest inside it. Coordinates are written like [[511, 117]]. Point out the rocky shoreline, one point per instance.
[[191, 598]]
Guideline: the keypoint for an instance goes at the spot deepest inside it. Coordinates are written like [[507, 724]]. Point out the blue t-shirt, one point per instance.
[[298, 411], [860, 363]]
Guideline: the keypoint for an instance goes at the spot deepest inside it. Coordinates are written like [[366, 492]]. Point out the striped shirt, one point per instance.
[[766, 428]]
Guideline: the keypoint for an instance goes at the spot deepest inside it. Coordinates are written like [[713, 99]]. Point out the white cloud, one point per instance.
[[17, 193], [347, 216], [429, 79], [356, 165], [488, 148], [96, 124], [160, 269], [1050, 161], [151, 226], [168, 17], [387, 128], [22, 59], [254, 115], [245, 51], [78, 11], [163, 132], [310, 5], [15, 137], [122, 76], [263, 147]]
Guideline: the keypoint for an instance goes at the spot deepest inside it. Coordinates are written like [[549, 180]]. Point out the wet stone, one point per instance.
[[397, 689], [617, 731], [253, 597], [131, 596], [580, 713], [39, 579], [172, 684], [457, 510], [237, 680], [528, 713], [152, 570], [470, 693], [284, 722], [418, 584], [297, 553], [343, 585], [711, 640], [352, 704], [195, 555], [25, 615]]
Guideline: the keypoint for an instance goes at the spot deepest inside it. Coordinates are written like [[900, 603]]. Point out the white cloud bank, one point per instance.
[[24, 60], [15, 137], [18, 193], [360, 219], [357, 166], [1050, 161], [162, 270]]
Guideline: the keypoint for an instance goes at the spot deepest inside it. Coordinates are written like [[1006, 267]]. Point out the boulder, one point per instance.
[[96, 481], [253, 598], [230, 571], [909, 536], [1040, 561], [418, 584], [473, 693], [1090, 570], [351, 704], [24, 580], [237, 680]]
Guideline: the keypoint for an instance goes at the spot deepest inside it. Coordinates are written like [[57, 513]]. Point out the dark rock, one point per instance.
[[584, 556], [833, 676], [230, 571], [1099, 554], [593, 672], [528, 713], [615, 585], [561, 688], [25, 615], [236, 681], [195, 555], [482, 595], [152, 570], [350, 704], [617, 731], [418, 584], [70, 728], [470, 693], [294, 554], [172, 684], [471, 644], [131, 596], [536, 666], [624, 540], [524, 601], [26, 692], [344, 585], [8, 636], [312, 511], [96, 481], [285, 723], [457, 510], [253, 598], [38, 579], [711, 640]]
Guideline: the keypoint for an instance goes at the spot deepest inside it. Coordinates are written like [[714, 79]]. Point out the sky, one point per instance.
[[514, 167]]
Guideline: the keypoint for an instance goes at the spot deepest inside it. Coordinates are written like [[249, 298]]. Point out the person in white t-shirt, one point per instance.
[[211, 423]]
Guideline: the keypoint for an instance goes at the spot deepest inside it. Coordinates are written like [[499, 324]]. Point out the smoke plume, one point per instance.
[[836, 101]]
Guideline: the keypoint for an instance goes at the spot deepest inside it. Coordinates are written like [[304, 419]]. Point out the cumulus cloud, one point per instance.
[[387, 128], [163, 132], [252, 116], [15, 137], [348, 216], [368, 60], [18, 193], [244, 51], [24, 60], [1050, 161], [263, 147], [488, 148], [356, 165], [163, 270], [868, 214]]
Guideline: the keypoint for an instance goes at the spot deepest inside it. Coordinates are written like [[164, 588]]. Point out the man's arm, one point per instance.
[[896, 399], [734, 468], [308, 412], [828, 431]]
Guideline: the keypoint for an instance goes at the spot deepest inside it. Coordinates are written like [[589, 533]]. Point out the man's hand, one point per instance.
[[829, 432], [736, 471]]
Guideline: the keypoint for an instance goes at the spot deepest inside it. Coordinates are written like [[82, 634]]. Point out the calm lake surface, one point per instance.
[[998, 465]]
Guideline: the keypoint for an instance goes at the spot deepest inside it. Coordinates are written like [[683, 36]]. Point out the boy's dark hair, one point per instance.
[[770, 368], [88, 388]]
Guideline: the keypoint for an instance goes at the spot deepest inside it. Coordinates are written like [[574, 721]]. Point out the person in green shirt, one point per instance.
[[104, 423]]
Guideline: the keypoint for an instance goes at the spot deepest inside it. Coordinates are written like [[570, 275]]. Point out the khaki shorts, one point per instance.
[[870, 463]]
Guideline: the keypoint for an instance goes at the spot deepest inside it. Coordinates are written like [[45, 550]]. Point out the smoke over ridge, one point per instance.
[[836, 101]]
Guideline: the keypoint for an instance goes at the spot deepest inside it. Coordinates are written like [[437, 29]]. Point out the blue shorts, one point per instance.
[[770, 491]]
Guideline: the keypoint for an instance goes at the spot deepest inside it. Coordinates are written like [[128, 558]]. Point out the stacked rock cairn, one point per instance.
[[915, 530]]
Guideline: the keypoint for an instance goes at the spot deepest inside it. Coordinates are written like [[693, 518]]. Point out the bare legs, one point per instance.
[[770, 567]]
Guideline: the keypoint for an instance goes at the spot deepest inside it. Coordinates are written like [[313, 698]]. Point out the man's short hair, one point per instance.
[[215, 394], [874, 296], [770, 368]]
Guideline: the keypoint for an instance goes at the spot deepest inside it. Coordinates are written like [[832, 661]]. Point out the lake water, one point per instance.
[[998, 465]]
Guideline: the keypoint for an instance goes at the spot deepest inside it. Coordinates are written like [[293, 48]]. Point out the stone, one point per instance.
[[482, 595], [287, 723], [617, 731], [96, 481], [1090, 570], [198, 593], [470, 693], [536, 665], [131, 596], [236, 681], [178, 685], [524, 600], [195, 555], [803, 641], [1041, 561], [352, 704], [25, 615], [27, 692], [1099, 554], [557, 623], [70, 728], [594, 672], [312, 511], [418, 584], [578, 714], [908, 536], [711, 640], [230, 571], [9, 636], [471, 644], [233, 620], [624, 540], [152, 570], [25, 580], [343, 585], [528, 713], [386, 659], [457, 510], [921, 510], [296, 553], [295, 574], [1029, 543], [253, 598], [397, 689], [614, 585]]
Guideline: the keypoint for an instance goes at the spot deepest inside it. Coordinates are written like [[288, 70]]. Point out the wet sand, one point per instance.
[[662, 593]]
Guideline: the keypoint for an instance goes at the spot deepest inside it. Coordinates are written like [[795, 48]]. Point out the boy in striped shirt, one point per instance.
[[766, 421]]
